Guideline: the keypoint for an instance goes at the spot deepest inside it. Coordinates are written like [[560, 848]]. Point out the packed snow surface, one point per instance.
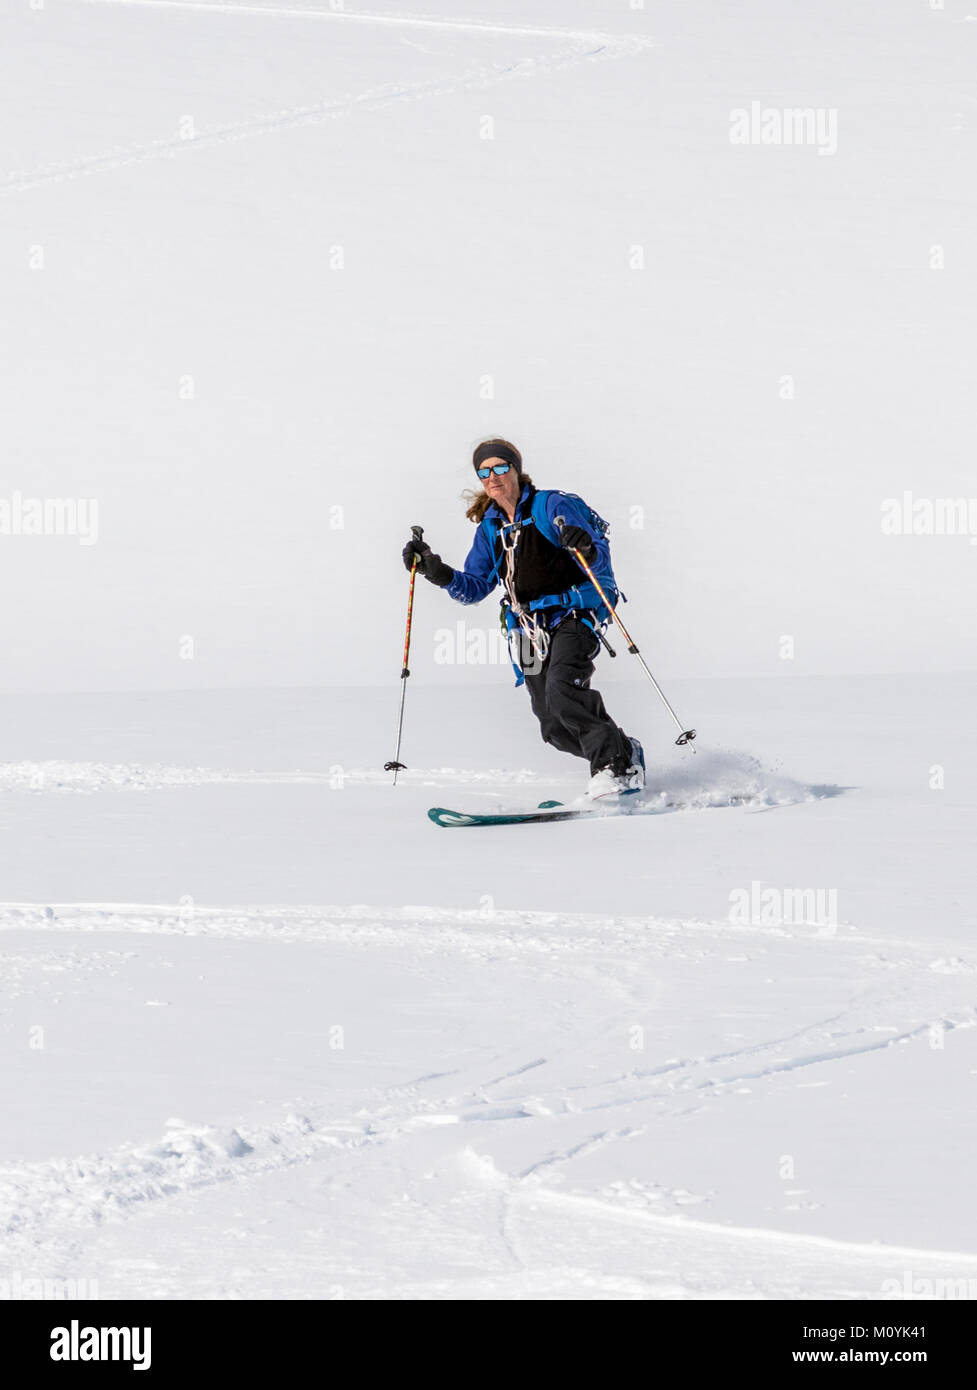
[[276, 1035], [270, 269]]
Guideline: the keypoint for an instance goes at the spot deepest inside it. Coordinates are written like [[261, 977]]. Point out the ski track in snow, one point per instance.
[[478, 932], [584, 45], [54, 775], [711, 780], [47, 1206], [476, 26]]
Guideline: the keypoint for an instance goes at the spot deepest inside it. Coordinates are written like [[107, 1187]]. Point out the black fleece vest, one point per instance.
[[541, 567]]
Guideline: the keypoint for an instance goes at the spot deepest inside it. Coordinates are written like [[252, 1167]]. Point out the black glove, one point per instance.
[[576, 538], [430, 565]]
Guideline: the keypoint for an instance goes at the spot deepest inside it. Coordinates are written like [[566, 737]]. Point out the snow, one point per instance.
[[260, 426], [299, 1042], [270, 270]]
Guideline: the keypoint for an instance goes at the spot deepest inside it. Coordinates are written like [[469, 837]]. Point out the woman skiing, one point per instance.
[[553, 614]]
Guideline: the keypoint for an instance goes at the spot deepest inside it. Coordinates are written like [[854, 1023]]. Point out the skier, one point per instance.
[[553, 614]]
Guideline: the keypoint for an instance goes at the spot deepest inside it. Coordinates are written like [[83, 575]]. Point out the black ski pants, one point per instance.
[[571, 716]]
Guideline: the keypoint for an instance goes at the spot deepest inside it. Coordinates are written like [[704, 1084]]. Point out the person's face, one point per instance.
[[503, 488]]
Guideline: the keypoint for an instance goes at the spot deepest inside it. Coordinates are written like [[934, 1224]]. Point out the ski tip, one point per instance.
[[445, 818]]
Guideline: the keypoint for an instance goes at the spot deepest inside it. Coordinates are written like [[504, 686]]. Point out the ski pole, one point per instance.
[[396, 765], [685, 735]]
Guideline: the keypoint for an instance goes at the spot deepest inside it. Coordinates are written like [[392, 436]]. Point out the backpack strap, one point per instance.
[[491, 532], [493, 529], [540, 518], [542, 521]]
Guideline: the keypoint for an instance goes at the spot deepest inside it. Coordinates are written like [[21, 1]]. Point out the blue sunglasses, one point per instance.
[[496, 468]]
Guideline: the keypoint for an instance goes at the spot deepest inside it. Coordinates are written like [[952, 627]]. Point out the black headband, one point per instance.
[[495, 450]]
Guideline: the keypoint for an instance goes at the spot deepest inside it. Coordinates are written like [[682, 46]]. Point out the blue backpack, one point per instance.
[[542, 521], [538, 517]]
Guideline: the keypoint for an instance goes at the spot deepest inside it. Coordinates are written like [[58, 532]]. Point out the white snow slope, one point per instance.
[[269, 1032], [269, 270]]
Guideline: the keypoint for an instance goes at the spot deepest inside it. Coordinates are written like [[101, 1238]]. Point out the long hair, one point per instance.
[[477, 498]]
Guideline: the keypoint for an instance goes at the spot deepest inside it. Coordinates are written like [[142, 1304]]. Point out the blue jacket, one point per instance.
[[482, 569]]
